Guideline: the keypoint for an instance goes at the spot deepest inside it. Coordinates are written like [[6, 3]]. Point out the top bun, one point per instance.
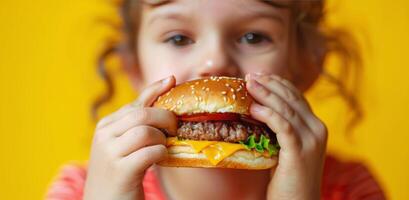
[[208, 95]]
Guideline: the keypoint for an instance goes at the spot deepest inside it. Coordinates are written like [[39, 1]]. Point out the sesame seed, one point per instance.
[[200, 98], [203, 88], [196, 98], [243, 98], [197, 83], [234, 97], [227, 85], [207, 89], [170, 99], [193, 92], [192, 86], [205, 80], [231, 89], [179, 102], [224, 92], [225, 99]]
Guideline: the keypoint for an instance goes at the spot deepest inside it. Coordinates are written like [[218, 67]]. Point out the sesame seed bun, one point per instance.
[[208, 95], [211, 95]]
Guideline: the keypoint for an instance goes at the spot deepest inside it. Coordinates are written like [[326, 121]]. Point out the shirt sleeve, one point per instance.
[[69, 184], [349, 181], [151, 186]]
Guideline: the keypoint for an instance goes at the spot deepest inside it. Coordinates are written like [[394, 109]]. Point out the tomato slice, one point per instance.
[[210, 117], [219, 117], [250, 120]]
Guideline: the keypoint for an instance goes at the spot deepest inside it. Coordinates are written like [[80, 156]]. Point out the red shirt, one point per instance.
[[341, 180]]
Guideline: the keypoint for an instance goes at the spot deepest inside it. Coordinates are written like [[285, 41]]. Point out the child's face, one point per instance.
[[197, 38]]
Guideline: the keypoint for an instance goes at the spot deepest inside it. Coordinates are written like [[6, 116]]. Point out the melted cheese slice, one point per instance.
[[197, 146], [215, 151]]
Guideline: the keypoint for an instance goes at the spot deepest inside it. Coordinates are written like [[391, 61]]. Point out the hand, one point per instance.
[[126, 143], [301, 135]]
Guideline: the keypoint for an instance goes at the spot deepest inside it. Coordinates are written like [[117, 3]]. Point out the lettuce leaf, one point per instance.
[[262, 145]]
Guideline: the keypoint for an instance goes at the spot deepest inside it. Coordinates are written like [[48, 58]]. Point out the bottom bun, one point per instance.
[[184, 156]]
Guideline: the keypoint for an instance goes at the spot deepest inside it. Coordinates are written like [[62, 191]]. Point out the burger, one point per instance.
[[215, 129]]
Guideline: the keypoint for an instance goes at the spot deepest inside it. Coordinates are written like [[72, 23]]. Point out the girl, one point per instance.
[[276, 45]]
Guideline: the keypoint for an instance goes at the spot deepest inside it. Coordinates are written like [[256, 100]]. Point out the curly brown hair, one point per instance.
[[313, 39]]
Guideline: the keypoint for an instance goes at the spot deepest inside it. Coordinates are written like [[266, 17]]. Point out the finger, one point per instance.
[[291, 95], [156, 117], [143, 158], [136, 138], [294, 92], [114, 116], [146, 98], [287, 138], [151, 93], [272, 100]]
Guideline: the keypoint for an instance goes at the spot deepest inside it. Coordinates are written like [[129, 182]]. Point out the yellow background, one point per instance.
[[48, 81]]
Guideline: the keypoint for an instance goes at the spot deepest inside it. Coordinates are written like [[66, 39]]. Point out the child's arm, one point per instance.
[[125, 144], [301, 135]]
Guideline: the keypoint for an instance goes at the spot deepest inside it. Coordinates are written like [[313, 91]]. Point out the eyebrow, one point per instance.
[[155, 2], [268, 15], [271, 15], [277, 4]]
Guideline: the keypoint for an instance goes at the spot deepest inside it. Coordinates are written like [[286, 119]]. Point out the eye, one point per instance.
[[179, 40], [253, 38]]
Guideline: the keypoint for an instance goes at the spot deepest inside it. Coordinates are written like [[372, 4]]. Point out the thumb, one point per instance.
[[150, 93]]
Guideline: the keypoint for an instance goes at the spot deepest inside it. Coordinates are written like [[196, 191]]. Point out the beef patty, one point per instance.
[[232, 131]]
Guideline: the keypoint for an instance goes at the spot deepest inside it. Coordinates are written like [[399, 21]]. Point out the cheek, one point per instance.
[[157, 63], [273, 63]]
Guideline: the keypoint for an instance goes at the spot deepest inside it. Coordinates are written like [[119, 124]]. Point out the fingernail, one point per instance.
[[247, 77], [166, 80]]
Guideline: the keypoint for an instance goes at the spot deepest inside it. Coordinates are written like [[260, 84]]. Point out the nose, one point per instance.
[[216, 60]]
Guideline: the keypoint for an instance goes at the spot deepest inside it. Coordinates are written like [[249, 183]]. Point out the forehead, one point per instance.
[[278, 3], [229, 8]]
